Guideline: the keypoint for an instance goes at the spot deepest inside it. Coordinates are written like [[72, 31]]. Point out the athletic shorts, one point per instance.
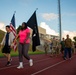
[[6, 49]]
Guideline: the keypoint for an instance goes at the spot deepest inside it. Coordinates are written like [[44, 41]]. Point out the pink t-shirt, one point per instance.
[[23, 36]]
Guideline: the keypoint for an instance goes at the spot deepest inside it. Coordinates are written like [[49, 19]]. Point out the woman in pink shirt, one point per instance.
[[23, 47]]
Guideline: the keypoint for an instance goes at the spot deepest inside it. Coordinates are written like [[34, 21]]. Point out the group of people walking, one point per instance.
[[56, 46], [64, 47], [23, 45]]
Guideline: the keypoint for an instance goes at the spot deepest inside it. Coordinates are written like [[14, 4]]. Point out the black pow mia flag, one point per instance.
[[32, 23]]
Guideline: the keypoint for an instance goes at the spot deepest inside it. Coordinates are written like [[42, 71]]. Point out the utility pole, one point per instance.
[[60, 28]]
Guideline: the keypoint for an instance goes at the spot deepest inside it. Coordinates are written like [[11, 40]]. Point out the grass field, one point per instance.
[[13, 53]]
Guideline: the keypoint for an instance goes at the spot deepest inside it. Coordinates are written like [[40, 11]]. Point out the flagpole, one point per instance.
[[14, 12], [36, 9]]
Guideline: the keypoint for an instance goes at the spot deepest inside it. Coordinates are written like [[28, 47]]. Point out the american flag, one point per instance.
[[13, 30]]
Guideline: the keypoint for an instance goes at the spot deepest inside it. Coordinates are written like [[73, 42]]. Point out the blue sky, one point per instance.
[[47, 12]]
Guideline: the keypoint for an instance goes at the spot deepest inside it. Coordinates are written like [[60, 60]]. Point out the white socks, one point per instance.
[[20, 65], [31, 62]]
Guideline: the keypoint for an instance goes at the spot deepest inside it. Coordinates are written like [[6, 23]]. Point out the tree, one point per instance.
[[18, 29], [74, 38]]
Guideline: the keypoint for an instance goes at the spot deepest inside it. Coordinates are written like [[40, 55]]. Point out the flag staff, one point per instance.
[[36, 9], [14, 12]]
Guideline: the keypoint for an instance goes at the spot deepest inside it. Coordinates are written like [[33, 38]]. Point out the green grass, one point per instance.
[[13, 53], [36, 52]]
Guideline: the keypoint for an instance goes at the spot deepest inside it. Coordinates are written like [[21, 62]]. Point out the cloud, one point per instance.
[[48, 29], [53, 32], [49, 16], [70, 33], [2, 27]]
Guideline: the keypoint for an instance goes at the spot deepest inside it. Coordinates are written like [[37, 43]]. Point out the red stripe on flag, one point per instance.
[[14, 33], [12, 27], [13, 30]]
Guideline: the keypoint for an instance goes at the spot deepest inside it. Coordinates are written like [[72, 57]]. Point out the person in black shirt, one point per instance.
[[7, 42]]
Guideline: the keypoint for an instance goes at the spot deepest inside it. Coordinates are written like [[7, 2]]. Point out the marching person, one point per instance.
[[58, 47], [23, 47], [54, 46], [7, 42], [68, 48], [46, 47], [62, 45]]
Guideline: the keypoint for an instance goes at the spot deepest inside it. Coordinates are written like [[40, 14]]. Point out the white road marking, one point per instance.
[[48, 68]]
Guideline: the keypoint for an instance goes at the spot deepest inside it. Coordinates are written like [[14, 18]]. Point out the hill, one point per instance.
[[1, 35]]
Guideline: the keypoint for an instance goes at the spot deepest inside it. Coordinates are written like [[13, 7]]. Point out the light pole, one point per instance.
[[60, 28]]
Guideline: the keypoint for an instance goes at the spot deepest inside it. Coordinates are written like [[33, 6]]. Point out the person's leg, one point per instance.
[[51, 52], [20, 52], [8, 54], [20, 56], [62, 50], [58, 50], [69, 52], [25, 53], [55, 51], [9, 57], [46, 51], [5, 54], [4, 51], [65, 53]]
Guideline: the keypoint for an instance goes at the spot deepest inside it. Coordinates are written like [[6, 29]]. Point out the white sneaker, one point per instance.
[[19, 67], [31, 62]]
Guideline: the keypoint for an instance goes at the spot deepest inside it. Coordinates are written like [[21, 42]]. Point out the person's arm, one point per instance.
[[12, 37], [28, 36], [13, 40], [65, 43], [16, 38], [71, 43]]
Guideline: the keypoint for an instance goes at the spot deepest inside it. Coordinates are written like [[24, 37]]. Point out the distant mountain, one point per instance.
[[1, 35]]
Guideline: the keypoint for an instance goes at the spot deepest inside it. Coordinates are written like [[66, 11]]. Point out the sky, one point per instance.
[[47, 13]]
